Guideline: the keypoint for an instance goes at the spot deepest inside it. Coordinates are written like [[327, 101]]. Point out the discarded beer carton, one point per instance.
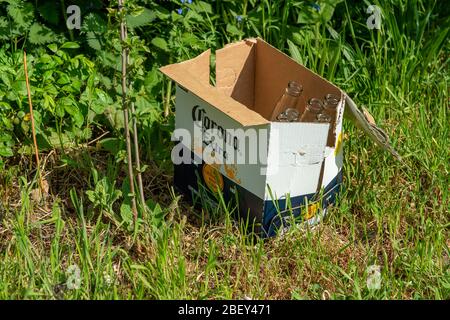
[[275, 171]]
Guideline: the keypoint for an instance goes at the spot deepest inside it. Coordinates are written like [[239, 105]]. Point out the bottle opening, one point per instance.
[[331, 100], [314, 105], [294, 88], [323, 118]]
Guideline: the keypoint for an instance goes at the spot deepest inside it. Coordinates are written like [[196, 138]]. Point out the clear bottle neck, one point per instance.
[[331, 101], [294, 89], [314, 106]]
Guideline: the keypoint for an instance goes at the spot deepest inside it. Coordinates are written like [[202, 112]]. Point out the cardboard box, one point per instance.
[[222, 129]]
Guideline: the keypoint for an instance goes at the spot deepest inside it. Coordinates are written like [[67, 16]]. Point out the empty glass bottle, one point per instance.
[[330, 109], [330, 106], [312, 110], [323, 118], [288, 115], [285, 109]]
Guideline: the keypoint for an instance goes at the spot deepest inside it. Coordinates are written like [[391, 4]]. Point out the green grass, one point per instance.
[[394, 215]]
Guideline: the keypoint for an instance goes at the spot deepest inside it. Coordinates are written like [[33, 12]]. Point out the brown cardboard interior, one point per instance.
[[250, 75], [274, 70], [256, 74]]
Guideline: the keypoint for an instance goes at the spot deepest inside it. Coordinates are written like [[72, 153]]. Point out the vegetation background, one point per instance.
[[78, 240]]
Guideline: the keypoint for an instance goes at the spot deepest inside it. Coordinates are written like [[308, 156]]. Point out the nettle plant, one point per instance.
[[71, 94], [66, 92], [40, 22], [20, 19], [103, 37]]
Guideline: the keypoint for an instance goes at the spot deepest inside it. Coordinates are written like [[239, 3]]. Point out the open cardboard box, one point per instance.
[[293, 163]]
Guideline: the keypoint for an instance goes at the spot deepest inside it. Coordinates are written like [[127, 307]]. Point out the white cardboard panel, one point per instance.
[[296, 151]]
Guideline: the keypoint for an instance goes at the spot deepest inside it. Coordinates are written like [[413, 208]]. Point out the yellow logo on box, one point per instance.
[[310, 211], [338, 148], [212, 177]]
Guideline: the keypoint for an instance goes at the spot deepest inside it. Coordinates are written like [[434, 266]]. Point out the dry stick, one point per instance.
[[138, 162], [136, 152], [33, 129], [167, 102], [123, 37]]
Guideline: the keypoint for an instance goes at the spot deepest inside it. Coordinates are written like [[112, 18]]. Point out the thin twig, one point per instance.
[[33, 129], [98, 138], [136, 153], [167, 102], [123, 37], [138, 162]]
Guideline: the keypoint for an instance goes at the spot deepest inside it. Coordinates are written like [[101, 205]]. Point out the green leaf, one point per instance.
[[112, 145], [102, 101], [160, 43], [94, 23], [110, 60], [75, 112], [308, 16], [98, 108], [126, 213], [50, 12], [4, 106], [146, 17], [294, 52], [53, 47], [203, 6], [20, 87], [45, 58], [56, 140], [91, 196], [162, 13], [93, 41], [70, 45], [4, 28], [83, 134], [5, 151], [151, 80], [7, 123], [63, 79], [105, 81], [233, 30], [40, 34], [6, 78], [327, 10], [49, 103], [6, 138], [21, 13]]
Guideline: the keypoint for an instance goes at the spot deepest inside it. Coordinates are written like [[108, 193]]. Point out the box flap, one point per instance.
[[235, 71], [193, 75], [365, 121]]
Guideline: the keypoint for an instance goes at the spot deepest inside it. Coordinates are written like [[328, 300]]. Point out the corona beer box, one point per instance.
[[277, 172]]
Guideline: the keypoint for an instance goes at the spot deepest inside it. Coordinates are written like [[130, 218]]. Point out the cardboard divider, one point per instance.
[[194, 75], [235, 71]]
